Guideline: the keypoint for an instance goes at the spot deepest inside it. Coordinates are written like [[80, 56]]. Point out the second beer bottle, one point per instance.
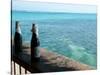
[[34, 44]]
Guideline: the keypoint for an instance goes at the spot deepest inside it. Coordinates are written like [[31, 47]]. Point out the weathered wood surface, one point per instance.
[[50, 62]]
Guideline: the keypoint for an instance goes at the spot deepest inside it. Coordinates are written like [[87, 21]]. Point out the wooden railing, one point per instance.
[[18, 69], [21, 64]]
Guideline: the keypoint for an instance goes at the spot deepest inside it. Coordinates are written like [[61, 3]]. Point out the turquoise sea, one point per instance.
[[70, 34]]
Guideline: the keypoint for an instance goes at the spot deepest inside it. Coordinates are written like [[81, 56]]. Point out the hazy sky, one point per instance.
[[51, 7]]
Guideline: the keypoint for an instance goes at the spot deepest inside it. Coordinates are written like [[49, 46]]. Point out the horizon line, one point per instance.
[[51, 12]]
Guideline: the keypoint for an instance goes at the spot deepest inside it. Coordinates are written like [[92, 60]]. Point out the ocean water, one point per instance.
[[70, 34]]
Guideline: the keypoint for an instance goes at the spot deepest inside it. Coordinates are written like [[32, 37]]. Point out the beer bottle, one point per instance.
[[17, 39], [34, 44]]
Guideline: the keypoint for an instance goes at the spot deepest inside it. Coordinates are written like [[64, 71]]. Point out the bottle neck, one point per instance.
[[18, 30]]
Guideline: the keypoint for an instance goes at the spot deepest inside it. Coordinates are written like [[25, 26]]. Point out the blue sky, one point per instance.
[[51, 7]]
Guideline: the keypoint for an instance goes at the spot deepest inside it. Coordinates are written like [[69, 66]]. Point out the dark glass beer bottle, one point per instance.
[[18, 39], [35, 54]]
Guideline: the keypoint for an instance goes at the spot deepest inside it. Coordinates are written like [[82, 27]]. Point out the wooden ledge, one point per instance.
[[49, 62]]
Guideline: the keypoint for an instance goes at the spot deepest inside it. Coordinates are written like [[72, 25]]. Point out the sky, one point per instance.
[[32, 6]]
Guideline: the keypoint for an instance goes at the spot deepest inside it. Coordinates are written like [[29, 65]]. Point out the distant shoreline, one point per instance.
[[53, 12]]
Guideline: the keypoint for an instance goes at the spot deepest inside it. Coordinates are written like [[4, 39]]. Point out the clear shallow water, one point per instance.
[[72, 35]]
